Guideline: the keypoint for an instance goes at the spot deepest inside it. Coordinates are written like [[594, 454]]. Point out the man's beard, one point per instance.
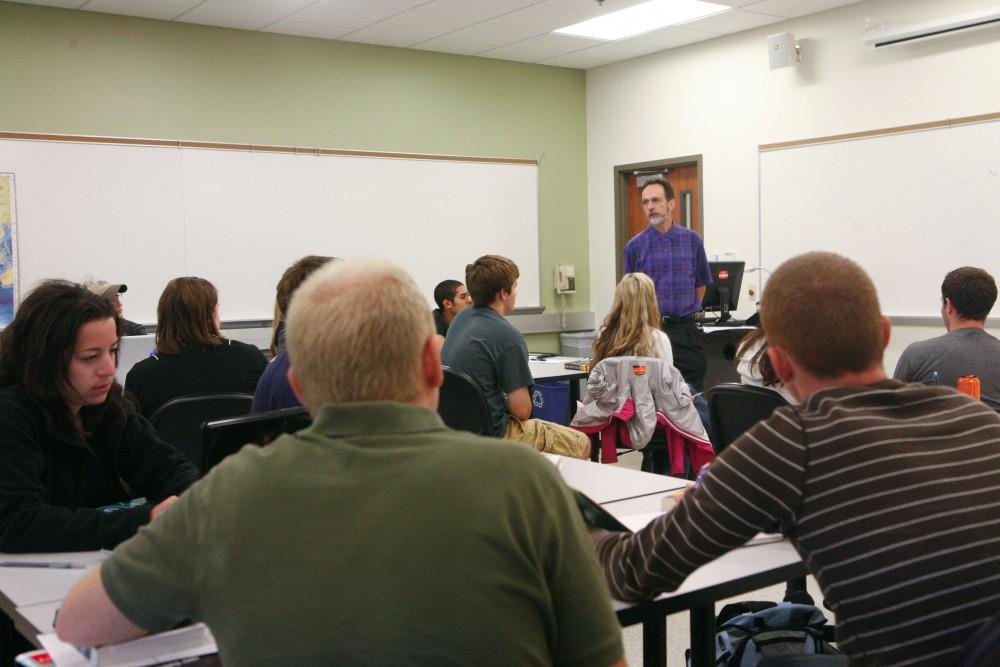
[[656, 220]]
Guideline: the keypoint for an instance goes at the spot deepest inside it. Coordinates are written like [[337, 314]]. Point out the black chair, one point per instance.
[[462, 405], [179, 420], [221, 438], [983, 647], [734, 408]]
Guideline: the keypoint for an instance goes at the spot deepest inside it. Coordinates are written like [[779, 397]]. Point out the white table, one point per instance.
[[27, 594], [31, 596], [36, 619], [554, 368], [22, 586], [606, 483], [624, 492]]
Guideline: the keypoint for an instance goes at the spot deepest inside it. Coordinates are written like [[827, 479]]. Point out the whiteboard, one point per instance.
[[908, 207], [143, 215]]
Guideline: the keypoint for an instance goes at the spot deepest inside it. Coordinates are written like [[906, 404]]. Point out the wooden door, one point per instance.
[[684, 180]]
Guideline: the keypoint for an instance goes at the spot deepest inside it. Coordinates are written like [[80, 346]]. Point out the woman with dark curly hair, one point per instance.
[[76, 454]]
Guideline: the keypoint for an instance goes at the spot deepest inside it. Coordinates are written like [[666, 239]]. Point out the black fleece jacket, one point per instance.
[[56, 487]]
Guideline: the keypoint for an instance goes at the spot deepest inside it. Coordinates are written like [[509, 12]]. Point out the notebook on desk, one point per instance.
[[597, 516]]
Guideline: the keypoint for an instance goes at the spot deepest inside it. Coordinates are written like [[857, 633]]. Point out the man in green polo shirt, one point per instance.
[[376, 536]]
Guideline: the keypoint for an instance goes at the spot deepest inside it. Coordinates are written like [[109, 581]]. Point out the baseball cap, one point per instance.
[[104, 288]]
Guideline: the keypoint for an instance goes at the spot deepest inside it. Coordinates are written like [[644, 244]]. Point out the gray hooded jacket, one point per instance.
[[652, 384]]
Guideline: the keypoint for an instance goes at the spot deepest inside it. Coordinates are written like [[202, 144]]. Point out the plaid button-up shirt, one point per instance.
[[676, 262]]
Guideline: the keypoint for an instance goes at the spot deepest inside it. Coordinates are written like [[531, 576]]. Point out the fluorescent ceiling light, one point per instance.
[[642, 18]]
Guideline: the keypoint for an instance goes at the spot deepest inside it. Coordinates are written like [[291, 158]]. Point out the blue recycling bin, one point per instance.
[[550, 401]]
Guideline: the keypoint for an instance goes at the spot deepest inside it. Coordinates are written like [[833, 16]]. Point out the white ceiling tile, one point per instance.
[[398, 5], [732, 21], [540, 48], [591, 8], [494, 33], [407, 29], [304, 29], [244, 14], [585, 59], [350, 13], [472, 10], [144, 8], [443, 45], [65, 4], [734, 3], [794, 8], [542, 18]]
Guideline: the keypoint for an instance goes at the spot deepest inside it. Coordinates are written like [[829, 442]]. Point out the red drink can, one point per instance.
[[969, 384]]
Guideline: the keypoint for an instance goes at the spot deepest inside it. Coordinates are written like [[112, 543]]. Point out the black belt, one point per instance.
[[670, 319]]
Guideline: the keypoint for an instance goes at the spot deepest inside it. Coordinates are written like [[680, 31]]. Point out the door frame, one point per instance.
[[622, 173]]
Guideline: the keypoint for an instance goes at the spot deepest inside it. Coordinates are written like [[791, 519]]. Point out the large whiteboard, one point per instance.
[[145, 214], [908, 207]]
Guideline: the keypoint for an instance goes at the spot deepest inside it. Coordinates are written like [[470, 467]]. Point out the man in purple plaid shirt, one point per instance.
[[674, 257]]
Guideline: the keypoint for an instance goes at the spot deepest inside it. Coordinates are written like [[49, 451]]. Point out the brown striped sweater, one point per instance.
[[891, 494]]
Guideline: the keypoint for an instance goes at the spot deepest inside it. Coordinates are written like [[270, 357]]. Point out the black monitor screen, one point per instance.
[[723, 295], [227, 436]]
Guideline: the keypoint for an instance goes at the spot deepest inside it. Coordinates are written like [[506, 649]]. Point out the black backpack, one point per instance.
[[750, 631]]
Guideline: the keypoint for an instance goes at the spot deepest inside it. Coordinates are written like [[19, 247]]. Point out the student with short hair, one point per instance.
[[967, 297], [377, 536], [889, 491], [485, 346], [451, 298], [192, 356], [273, 391], [112, 292], [75, 453]]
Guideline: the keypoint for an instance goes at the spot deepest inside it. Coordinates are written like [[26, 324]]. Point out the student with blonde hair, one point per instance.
[[632, 327]]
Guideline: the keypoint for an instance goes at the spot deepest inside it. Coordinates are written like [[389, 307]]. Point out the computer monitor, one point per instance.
[[723, 295], [221, 438]]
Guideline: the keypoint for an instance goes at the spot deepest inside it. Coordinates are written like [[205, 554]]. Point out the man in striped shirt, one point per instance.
[[890, 492]]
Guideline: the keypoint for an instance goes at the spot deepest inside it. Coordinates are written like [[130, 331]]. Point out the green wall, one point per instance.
[[75, 72]]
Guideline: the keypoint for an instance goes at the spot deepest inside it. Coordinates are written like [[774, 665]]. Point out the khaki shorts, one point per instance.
[[548, 437]]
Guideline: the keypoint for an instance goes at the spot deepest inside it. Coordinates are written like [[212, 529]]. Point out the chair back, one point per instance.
[[179, 420], [462, 405], [223, 437], [983, 647], [734, 408]]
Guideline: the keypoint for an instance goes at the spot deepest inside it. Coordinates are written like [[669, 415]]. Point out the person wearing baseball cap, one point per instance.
[[110, 291]]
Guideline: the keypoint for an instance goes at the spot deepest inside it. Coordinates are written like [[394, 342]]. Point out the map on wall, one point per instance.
[[8, 256]]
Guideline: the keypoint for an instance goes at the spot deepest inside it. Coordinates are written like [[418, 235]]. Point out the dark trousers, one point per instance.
[[689, 355]]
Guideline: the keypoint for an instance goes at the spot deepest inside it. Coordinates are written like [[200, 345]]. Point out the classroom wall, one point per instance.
[[719, 99], [78, 72]]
